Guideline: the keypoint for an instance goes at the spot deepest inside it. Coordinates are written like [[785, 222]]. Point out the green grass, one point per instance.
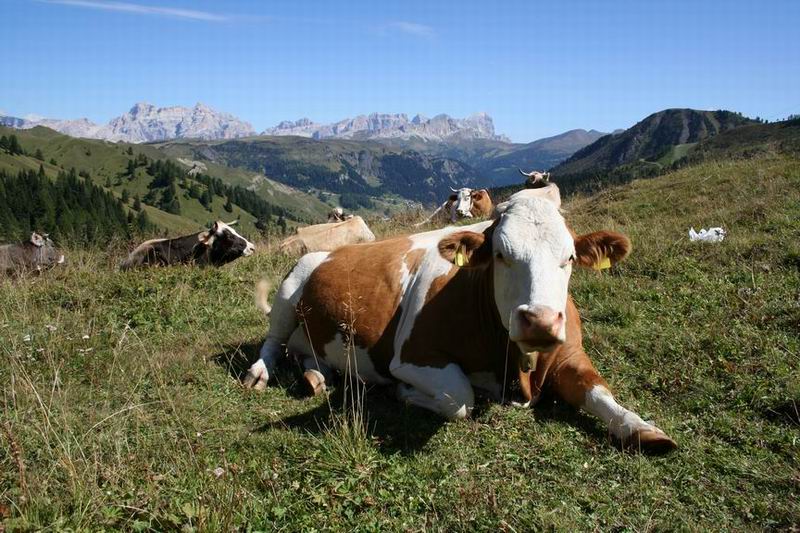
[[126, 428]]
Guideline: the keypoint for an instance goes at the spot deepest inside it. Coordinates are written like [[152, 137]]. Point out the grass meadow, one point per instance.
[[122, 408]]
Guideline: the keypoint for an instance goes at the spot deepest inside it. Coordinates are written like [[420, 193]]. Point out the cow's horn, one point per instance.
[[454, 190], [233, 223], [527, 175]]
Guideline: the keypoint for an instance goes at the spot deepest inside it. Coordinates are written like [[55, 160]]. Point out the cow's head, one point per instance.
[[535, 179], [531, 252], [461, 203], [225, 244], [45, 254]]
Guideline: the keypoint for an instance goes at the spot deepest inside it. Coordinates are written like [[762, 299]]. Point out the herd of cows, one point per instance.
[[439, 314]]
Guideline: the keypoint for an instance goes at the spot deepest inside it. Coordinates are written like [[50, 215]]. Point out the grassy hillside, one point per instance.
[[643, 149], [122, 408], [106, 164]]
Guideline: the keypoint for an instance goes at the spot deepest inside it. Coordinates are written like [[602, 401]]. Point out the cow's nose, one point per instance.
[[249, 249], [540, 325]]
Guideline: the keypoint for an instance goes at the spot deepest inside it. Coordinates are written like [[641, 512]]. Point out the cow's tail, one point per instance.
[[262, 293]]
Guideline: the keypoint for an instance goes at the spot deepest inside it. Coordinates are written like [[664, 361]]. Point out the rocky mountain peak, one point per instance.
[[442, 127]]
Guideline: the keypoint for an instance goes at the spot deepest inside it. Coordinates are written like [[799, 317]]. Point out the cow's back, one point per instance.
[[14, 257], [328, 237]]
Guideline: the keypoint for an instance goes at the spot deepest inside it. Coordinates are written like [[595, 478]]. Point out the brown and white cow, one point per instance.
[[217, 246], [402, 310], [327, 237], [463, 203], [35, 254]]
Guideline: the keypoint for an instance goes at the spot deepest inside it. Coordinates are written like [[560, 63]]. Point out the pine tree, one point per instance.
[[126, 196], [14, 147], [129, 151], [137, 203], [39, 155], [4, 143], [205, 199], [131, 170], [228, 205]]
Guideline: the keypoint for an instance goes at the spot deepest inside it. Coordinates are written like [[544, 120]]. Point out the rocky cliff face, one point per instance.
[[147, 123], [389, 126]]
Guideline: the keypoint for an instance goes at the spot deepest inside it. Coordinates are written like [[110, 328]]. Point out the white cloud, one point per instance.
[[140, 9], [412, 28]]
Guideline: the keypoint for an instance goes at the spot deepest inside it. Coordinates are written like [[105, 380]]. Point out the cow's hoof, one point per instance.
[[314, 382], [257, 376], [650, 441]]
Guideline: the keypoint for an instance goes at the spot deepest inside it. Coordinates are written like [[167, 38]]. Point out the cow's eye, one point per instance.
[[499, 256], [568, 261]]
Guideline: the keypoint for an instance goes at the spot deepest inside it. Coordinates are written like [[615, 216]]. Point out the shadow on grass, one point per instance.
[[396, 427]]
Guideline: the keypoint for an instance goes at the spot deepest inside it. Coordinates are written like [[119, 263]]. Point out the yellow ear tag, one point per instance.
[[603, 264], [461, 259]]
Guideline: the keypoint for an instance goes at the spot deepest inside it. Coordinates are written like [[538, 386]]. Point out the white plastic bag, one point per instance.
[[707, 235]]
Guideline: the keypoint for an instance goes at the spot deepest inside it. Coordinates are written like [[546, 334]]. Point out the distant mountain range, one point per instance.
[[394, 126], [659, 140], [147, 123]]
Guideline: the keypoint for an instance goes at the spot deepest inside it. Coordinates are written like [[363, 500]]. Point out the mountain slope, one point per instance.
[[338, 166], [143, 171], [641, 145], [542, 154]]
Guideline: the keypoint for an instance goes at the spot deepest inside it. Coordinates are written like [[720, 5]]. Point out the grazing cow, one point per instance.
[[37, 253], [463, 203], [404, 310], [535, 179], [219, 245], [327, 237]]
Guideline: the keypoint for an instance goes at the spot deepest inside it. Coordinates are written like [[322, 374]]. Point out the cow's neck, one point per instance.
[[485, 327]]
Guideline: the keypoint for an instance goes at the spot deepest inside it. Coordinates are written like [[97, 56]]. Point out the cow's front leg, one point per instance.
[[316, 375], [575, 379], [445, 391]]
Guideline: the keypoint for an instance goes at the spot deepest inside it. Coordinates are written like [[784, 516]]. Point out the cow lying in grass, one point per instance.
[[463, 203], [35, 254], [217, 246], [327, 237], [444, 311]]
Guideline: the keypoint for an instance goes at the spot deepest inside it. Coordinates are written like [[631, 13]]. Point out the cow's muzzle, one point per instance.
[[538, 328]]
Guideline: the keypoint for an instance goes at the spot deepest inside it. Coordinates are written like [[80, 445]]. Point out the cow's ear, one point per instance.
[[453, 197], [478, 195], [467, 248], [601, 249]]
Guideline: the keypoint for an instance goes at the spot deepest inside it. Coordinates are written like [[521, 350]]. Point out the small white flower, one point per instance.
[[26, 338], [50, 327], [85, 337], [218, 472]]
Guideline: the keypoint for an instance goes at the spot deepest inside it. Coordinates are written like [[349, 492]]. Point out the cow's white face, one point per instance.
[[462, 205], [533, 253]]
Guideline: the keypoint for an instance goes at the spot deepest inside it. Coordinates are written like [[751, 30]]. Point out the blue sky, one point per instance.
[[539, 68]]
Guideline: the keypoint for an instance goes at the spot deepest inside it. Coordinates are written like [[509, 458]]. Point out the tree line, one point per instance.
[[70, 208]]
